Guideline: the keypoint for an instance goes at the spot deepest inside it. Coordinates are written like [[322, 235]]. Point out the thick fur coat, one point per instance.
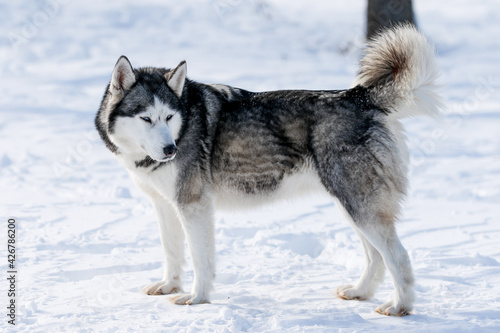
[[192, 147]]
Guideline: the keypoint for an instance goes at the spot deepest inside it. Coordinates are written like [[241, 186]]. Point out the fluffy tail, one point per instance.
[[399, 68]]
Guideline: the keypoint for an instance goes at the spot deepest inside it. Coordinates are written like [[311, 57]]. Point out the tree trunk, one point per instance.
[[386, 13]]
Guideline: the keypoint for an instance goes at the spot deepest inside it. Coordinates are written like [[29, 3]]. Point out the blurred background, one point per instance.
[[59, 53]]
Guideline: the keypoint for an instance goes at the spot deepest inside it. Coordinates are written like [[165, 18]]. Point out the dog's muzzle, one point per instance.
[[170, 151]]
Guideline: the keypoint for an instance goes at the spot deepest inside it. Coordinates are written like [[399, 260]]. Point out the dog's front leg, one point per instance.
[[172, 239], [197, 219]]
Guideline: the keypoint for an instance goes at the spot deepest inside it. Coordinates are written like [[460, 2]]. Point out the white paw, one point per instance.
[[189, 299], [349, 292], [391, 309], [163, 288]]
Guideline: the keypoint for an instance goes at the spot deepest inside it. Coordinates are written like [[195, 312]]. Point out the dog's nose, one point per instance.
[[170, 150]]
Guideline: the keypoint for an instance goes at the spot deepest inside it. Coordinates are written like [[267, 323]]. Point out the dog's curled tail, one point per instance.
[[399, 68]]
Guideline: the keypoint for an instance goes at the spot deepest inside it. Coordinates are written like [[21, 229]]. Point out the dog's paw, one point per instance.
[[189, 299], [349, 292], [391, 309], [163, 288]]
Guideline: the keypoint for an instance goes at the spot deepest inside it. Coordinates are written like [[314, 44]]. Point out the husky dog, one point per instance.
[[192, 147]]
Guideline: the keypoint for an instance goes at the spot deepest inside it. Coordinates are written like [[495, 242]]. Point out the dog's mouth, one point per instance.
[[168, 158], [167, 155]]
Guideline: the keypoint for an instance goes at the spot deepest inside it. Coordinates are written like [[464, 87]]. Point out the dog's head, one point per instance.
[[141, 112]]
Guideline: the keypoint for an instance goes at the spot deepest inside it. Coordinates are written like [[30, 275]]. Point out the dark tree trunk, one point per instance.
[[386, 13]]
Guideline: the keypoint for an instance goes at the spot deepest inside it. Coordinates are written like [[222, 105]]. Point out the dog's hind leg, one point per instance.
[[369, 183], [382, 246], [384, 238], [373, 272], [377, 231]]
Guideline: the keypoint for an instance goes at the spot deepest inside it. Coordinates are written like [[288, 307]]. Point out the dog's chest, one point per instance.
[[162, 180]]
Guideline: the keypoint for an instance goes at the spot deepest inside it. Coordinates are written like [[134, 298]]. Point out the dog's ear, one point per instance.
[[177, 78], [122, 79]]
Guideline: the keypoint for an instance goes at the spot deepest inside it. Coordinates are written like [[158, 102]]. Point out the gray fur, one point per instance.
[[233, 143]]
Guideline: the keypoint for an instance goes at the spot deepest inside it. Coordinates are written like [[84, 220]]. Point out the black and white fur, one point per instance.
[[193, 147]]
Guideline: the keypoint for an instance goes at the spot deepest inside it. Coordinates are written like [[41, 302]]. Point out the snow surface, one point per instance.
[[88, 239]]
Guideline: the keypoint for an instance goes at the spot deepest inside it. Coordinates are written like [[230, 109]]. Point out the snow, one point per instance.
[[87, 239]]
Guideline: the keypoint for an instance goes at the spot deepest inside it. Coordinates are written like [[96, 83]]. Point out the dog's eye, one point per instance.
[[146, 119], [169, 117]]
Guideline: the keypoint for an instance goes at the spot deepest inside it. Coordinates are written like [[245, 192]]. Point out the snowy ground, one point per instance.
[[87, 239]]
